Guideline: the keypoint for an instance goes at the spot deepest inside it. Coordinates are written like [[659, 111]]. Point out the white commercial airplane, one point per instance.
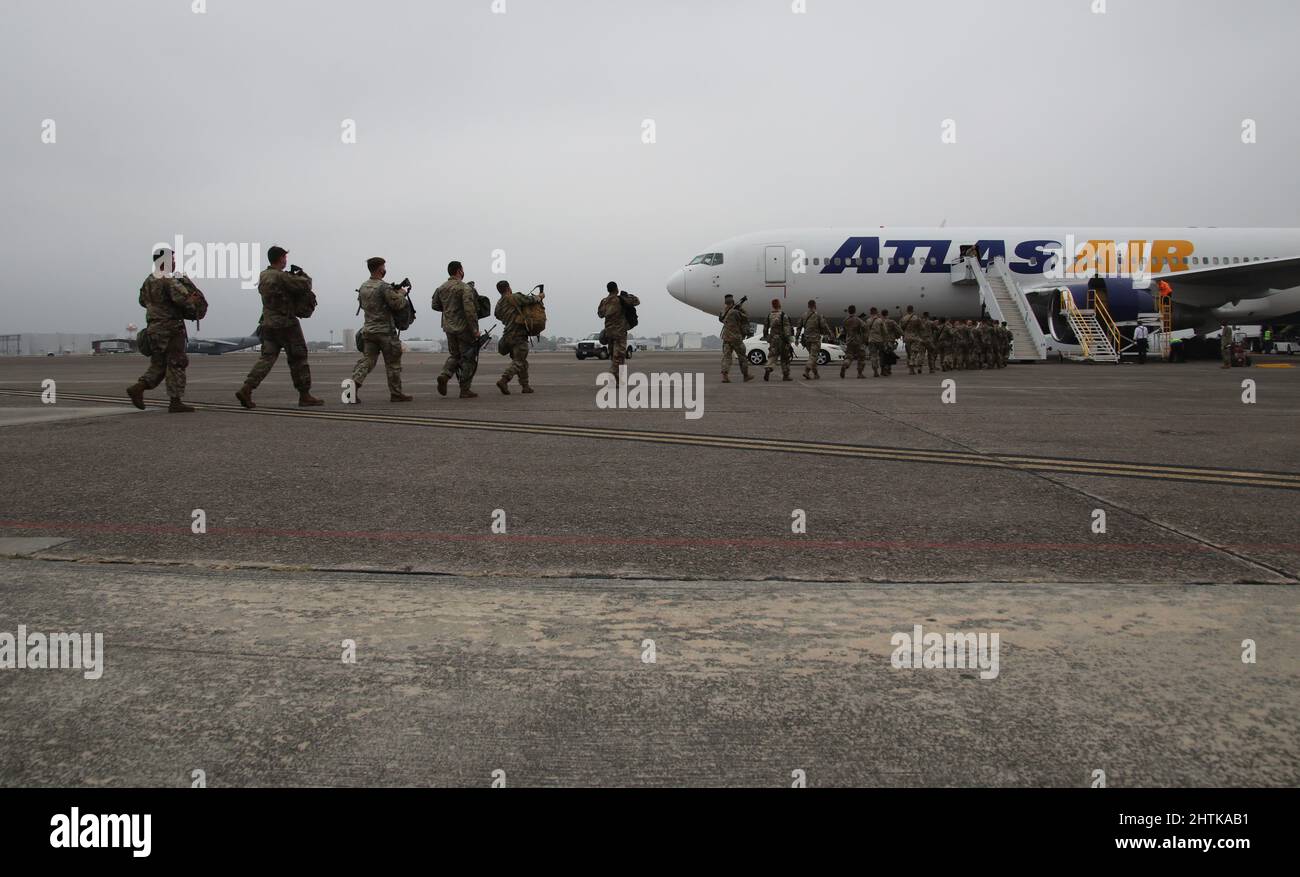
[[1217, 274]]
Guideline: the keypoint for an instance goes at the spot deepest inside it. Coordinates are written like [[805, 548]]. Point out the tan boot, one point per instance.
[[307, 400], [527, 389], [467, 394], [400, 397], [136, 392], [726, 378], [748, 377], [245, 396], [179, 407], [844, 370], [501, 385], [442, 385]]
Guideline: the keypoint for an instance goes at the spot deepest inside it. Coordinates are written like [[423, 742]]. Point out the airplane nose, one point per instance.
[[677, 284]]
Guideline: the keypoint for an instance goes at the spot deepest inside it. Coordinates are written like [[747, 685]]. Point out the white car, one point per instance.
[[756, 352]]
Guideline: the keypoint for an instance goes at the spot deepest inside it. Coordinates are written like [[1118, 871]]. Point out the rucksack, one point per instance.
[[532, 313], [196, 304], [304, 305], [629, 311], [403, 318]]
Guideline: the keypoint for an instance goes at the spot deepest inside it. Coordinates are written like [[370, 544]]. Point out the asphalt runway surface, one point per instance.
[[523, 650]]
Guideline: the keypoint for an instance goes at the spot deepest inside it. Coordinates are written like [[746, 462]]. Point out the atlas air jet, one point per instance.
[[1217, 275]]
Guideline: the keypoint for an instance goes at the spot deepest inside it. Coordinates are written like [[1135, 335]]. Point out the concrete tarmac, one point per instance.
[[522, 650]]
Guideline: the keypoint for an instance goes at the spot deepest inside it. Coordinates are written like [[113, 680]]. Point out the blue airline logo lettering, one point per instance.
[[863, 255]]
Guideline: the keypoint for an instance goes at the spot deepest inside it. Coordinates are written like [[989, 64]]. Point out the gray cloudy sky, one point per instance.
[[522, 132]]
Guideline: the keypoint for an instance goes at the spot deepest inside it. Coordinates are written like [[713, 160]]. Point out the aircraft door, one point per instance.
[[774, 266]]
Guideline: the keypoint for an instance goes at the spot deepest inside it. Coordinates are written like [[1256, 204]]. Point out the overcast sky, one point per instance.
[[522, 132]]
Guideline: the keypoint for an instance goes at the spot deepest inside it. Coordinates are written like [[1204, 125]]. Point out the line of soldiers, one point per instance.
[[170, 298], [929, 342]]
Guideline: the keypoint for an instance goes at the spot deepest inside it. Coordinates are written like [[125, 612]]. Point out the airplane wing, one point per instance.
[[1220, 284], [1210, 287]]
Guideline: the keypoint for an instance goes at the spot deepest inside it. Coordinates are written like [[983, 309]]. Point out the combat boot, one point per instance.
[[501, 385], [467, 394], [817, 376], [400, 397], [767, 374], [245, 396], [136, 392], [726, 378], [307, 400], [442, 385], [179, 407], [786, 378], [748, 377], [527, 389], [844, 370]]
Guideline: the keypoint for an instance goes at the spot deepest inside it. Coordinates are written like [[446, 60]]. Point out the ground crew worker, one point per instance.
[[855, 343], [167, 298], [1225, 345], [910, 324], [514, 335], [735, 327], [811, 329], [280, 328], [458, 302], [379, 300], [1140, 339], [611, 308], [778, 332]]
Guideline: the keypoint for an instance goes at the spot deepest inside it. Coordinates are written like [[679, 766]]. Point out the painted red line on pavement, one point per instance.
[[55, 527]]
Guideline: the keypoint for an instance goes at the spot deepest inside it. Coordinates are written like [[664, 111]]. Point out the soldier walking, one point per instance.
[[285, 295], [458, 302], [168, 299], [380, 301], [778, 332], [812, 327], [878, 341], [612, 310], [910, 324], [735, 327], [855, 343], [514, 334]]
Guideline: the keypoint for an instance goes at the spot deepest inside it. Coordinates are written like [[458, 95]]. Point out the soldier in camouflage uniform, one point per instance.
[[379, 301], [895, 332], [945, 337], [616, 328], [811, 329], [910, 324], [963, 344], [778, 332], [992, 341], [735, 327], [458, 302], [878, 340], [166, 298], [514, 335], [1226, 340], [929, 340], [855, 343], [280, 329]]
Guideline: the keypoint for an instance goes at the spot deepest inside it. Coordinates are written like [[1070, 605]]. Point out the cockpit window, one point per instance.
[[707, 259]]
